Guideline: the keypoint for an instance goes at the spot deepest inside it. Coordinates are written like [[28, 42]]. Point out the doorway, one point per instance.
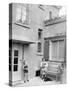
[[17, 62]]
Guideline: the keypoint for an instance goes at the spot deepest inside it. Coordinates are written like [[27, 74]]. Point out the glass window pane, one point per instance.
[[23, 14], [15, 67], [39, 35], [16, 53], [61, 49], [10, 44], [39, 47], [54, 49], [15, 60]]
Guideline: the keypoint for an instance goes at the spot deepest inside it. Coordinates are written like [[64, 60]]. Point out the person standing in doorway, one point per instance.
[[25, 69]]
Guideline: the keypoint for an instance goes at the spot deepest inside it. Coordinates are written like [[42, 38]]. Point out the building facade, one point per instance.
[[26, 37], [55, 39]]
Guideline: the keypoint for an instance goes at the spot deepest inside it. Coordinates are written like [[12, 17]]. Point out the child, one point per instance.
[[43, 69]]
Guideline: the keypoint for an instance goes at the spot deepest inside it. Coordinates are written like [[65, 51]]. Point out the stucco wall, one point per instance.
[[58, 29]]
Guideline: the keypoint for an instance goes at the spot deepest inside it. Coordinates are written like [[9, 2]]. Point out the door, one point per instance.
[[17, 62]]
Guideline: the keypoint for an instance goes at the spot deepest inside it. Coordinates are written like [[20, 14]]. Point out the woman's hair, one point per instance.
[[43, 59], [24, 62]]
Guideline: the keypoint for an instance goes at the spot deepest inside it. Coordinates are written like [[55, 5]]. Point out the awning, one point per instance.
[[22, 40]]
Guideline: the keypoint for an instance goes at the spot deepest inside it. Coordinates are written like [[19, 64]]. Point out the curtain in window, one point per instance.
[[54, 50], [18, 13], [58, 50], [61, 49], [21, 13]]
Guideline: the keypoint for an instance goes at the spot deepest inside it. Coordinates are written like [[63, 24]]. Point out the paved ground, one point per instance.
[[36, 81]]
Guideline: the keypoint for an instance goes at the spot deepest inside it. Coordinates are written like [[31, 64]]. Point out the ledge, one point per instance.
[[22, 25], [39, 54], [54, 21]]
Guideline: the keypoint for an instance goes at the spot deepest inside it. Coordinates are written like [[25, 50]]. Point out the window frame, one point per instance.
[[23, 13], [39, 50], [39, 34], [15, 64], [58, 53], [10, 59]]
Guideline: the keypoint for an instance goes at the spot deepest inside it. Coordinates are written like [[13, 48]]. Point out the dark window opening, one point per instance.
[[15, 67], [15, 60], [39, 33], [10, 44], [39, 47], [16, 53]]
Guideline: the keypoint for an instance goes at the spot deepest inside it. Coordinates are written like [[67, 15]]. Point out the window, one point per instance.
[[58, 50], [15, 60], [39, 47], [21, 13], [61, 50], [15, 67], [16, 53], [39, 33], [10, 59]]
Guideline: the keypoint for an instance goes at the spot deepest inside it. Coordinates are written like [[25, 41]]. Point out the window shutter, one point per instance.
[[46, 50]]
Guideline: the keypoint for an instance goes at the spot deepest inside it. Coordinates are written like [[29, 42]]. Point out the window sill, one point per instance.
[[22, 25], [39, 54]]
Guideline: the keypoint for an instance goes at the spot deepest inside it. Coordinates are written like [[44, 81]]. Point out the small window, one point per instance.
[[10, 44], [16, 53], [15, 67], [15, 64], [15, 60], [39, 33], [39, 47]]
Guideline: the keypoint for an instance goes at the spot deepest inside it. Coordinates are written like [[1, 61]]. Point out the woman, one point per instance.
[[25, 69]]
